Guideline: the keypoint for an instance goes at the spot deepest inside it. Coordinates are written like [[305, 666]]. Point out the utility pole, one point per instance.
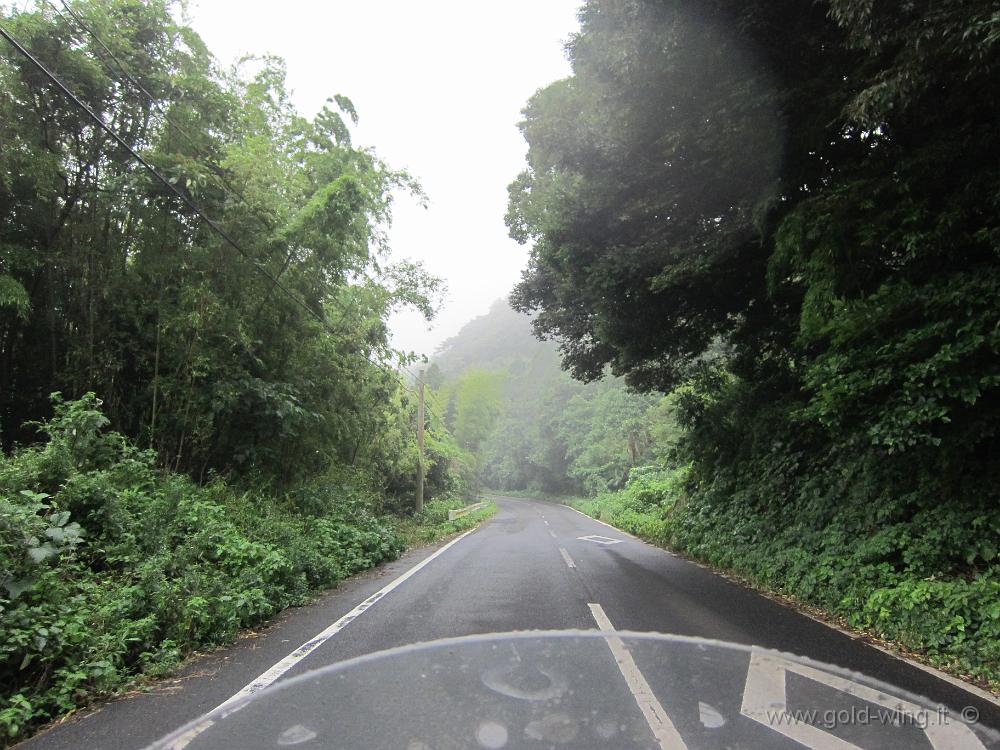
[[420, 446]]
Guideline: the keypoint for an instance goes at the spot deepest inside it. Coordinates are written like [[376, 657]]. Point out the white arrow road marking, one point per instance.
[[765, 701], [598, 539], [666, 734]]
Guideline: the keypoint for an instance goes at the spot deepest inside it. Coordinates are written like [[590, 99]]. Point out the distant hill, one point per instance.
[[500, 340], [524, 422]]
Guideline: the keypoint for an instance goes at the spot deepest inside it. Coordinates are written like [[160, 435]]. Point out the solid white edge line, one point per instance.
[[272, 674], [595, 520], [566, 557], [943, 676], [666, 734], [268, 677]]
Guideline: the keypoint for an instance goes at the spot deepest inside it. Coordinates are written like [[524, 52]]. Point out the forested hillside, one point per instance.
[[786, 215], [527, 425], [201, 416]]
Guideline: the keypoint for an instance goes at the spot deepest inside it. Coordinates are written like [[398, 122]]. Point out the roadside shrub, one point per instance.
[[436, 511], [111, 568], [433, 523], [957, 621]]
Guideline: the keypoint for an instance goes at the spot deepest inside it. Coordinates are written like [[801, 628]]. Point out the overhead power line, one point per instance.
[[57, 82], [213, 225], [267, 222], [219, 172]]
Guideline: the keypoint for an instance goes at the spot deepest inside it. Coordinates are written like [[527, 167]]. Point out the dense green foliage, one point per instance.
[[522, 423], [774, 221], [786, 215], [110, 567], [110, 283], [845, 566]]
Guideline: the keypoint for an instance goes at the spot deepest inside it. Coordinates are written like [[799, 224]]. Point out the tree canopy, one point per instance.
[[808, 190], [786, 214], [270, 356]]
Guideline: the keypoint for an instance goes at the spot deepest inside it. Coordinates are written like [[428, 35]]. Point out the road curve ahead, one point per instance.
[[541, 566]]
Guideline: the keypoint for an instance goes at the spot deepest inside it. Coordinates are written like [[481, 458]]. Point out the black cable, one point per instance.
[[219, 172], [149, 167], [56, 81], [226, 185]]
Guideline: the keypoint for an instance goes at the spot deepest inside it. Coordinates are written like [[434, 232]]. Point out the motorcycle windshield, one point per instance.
[[583, 690]]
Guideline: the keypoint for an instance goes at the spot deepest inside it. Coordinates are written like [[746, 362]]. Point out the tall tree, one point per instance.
[[656, 169], [268, 354], [792, 208]]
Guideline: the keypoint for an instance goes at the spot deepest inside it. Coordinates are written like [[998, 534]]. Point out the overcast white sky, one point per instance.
[[439, 86]]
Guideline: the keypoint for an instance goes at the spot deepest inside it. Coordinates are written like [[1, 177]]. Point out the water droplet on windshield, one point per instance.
[[556, 728], [491, 735], [525, 683], [710, 717], [296, 735], [606, 729]]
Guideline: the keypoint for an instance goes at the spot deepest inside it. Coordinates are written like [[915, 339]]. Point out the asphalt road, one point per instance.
[[536, 566]]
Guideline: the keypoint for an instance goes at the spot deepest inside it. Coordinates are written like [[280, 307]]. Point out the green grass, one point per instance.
[[433, 524]]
